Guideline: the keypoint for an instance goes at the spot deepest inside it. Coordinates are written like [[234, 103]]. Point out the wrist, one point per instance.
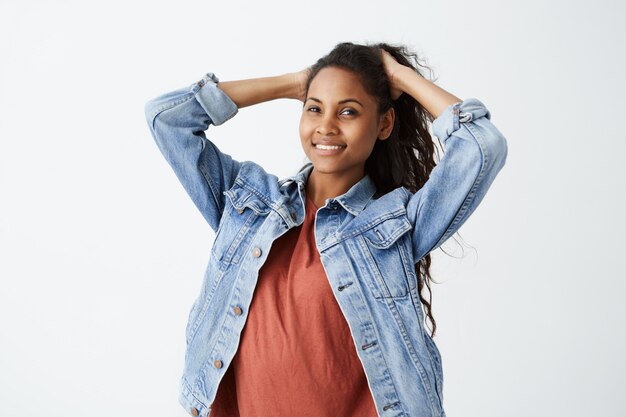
[[403, 77], [290, 83], [293, 85]]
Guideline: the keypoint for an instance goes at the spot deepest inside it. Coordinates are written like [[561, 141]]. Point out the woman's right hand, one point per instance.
[[300, 80]]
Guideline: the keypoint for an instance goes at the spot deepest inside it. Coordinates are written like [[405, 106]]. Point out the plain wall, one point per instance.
[[102, 253]]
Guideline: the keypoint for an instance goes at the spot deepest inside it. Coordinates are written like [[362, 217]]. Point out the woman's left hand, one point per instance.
[[391, 66]]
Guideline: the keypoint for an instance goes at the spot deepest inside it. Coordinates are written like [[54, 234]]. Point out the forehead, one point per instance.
[[333, 82]]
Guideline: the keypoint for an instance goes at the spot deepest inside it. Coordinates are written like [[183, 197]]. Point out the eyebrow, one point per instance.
[[339, 102]]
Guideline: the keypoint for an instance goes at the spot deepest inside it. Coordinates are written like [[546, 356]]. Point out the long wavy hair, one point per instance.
[[407, 157]]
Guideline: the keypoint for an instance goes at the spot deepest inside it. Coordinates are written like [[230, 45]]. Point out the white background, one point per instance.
[[102, 252]]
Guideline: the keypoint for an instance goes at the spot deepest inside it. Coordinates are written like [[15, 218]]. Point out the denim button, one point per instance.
[[194, 411], [256, 252], [217, 363], [237, 311], [293, 215], [239, 210], [465, 117]]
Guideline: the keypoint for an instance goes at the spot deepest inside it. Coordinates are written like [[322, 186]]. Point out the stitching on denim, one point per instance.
[[472, 193], [420, 367], [233, 114], [387, 373], [408, 267], [365, 327], [170, 105], [386, 378], [379, 288], [193, 393], [212, 186], [394, 236], [243, 202], [249, 187], [245, 184], [336, 239], [438, 367], [367, 226], [205, 306], [229, 256]]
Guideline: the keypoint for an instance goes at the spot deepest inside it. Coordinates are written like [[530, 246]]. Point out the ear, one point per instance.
[[386, 124]]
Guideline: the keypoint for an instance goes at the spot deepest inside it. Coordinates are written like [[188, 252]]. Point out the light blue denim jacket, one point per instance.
[[368, 247]]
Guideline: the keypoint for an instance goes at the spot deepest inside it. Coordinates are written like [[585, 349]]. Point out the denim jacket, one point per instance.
[[368, 247]]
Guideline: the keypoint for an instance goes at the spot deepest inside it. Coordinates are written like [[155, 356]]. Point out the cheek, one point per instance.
[[364, 134], [305, 130]]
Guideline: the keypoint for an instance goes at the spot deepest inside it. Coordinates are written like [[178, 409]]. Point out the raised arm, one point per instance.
[[475, 151], [257, 90], [178, 121]]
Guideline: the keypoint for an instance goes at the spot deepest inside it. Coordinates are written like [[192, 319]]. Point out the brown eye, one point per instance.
[[353, 112]]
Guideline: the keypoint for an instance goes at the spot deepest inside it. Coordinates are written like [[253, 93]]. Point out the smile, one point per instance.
[[328, 150], [329, 147]]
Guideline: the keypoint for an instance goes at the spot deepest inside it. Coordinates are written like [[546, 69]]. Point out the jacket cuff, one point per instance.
[[460, 112], [217, 104]]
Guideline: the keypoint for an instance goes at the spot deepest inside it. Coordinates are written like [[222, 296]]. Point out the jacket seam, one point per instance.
[[413, 353], [367, 226], [375, 270], [472, 193], [210, 183], [378, 338], [205, 306], [169, 105], [192, 392], [251, 189]]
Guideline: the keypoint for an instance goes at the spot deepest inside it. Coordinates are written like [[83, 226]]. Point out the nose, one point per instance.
[[326, 125]]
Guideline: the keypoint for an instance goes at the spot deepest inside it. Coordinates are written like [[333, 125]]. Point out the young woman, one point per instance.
[[312, 304]]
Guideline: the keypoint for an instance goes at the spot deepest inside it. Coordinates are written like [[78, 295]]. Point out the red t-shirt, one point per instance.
[[296, 356]]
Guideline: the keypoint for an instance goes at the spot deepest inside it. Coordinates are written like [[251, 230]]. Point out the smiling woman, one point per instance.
[[339, 126], [312, 299]]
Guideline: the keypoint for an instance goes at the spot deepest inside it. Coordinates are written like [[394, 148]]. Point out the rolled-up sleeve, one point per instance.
[[474, 152], [178, 121]]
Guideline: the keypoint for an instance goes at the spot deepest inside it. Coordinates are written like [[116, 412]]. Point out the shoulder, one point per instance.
[[255, 183], [395, 200], [389, 209]]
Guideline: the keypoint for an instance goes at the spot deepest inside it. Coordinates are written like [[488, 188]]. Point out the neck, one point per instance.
[[321, 186]]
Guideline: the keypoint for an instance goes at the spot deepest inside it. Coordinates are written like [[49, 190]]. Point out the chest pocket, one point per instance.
[[243, 214], [387, 265]]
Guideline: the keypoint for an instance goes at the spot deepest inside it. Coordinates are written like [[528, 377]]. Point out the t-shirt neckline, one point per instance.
[[310, 202]]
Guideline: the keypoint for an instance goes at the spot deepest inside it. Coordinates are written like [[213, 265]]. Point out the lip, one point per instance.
[[329, 143], [329, 151]]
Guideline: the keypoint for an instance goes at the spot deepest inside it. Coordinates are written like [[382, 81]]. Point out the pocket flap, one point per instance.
[[385, 233], [240, 197]]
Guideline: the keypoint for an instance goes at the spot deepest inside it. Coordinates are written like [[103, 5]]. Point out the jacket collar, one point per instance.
[[354, 200]]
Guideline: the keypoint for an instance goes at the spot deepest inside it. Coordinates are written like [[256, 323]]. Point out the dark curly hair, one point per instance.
[[407, 157]]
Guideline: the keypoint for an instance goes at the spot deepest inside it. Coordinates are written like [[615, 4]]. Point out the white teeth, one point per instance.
[[327, 147]]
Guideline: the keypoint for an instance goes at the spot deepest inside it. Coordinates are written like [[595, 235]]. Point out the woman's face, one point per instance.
[[339, 112]]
